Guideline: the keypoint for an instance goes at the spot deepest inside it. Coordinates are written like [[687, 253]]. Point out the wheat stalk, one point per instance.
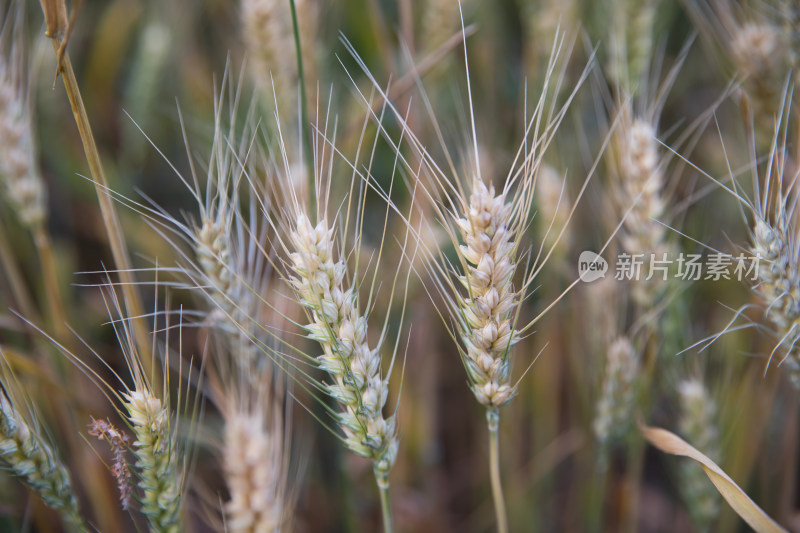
[[58, 29]]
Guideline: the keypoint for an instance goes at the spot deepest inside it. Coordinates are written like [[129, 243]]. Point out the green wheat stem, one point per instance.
[[306, 128], [493, 423], [382, 478]]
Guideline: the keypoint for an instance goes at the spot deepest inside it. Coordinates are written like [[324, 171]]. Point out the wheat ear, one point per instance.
[[617, 394], [156, 461], [774, 244], [336, 323], [23, 184], [638, 192], [698, 426], [487, 331], [341, 330], [25, 452], [19, 169], [257, 464]]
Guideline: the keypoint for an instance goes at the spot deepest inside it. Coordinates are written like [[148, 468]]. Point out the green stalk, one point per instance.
[[306, 127], [383, 487], [493, 422]]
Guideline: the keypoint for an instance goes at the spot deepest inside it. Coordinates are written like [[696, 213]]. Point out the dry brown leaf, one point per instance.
[[668, 442]]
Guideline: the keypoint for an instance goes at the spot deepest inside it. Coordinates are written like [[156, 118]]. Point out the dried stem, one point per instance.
[[119, 249]]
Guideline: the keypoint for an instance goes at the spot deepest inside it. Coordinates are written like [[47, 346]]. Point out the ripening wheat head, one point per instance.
[[773, 265], [636, 165], [775, 240], [19, 171], [231, 264], [636, 169], [267, 29], [219, 261], [630, 41], [27, 453], [618, 393], [336, 322], [150, 411], [218, 198], [698, 425], [259, 461], [638, 183], [331, 282], [160, 460], [494, 271]]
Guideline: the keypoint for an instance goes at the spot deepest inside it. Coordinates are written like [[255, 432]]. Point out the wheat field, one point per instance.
[[319, 266]]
